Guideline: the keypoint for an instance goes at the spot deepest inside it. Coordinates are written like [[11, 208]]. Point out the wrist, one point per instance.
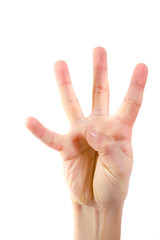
[[93, 223]]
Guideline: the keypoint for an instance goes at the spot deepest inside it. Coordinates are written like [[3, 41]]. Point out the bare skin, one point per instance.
[[97, 152]]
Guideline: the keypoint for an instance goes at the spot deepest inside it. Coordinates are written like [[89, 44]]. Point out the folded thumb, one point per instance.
[[98, 141]]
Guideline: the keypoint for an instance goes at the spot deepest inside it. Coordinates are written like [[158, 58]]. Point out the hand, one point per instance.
[[97, 152]]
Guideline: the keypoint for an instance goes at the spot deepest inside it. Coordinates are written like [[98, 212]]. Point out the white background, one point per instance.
[[34, 198]]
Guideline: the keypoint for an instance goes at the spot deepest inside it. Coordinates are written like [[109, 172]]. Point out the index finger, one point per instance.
[[132, 102], [68, 97]]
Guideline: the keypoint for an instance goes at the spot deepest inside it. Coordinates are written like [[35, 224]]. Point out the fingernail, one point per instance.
[[93, 134]]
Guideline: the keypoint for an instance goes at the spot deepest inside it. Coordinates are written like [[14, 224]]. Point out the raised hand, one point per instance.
[[97, 152]]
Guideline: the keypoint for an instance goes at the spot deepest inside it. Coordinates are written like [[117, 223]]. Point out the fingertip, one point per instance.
[[26, 121], [99, 50], [29, 120], [142, 69], [60, 64], [99, 58], [140, 75], [34, 126], [62, 72]]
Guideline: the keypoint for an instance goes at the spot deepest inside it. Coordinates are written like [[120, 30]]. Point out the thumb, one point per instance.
[[111, 154], [98, 141]]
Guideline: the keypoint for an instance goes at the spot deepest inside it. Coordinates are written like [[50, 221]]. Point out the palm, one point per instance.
[[96, 171], [85, 173]]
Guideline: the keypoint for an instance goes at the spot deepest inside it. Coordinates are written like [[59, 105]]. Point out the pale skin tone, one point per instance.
[[97, 152]]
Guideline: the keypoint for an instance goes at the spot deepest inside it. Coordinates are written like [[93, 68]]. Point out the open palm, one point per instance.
[[97, 152]]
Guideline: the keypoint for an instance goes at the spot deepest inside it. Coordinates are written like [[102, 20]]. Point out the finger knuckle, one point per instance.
[[100, 90], [70, 101], [132, 102]]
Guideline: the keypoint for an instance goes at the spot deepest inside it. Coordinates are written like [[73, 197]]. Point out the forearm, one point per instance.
[[93, 224]]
